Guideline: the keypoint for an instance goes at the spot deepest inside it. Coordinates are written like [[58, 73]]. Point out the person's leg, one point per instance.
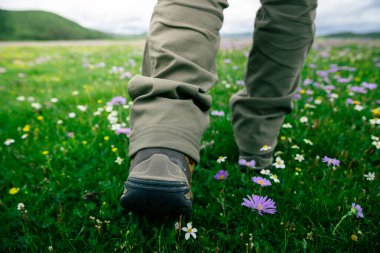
[[170, 103], [284, 32]]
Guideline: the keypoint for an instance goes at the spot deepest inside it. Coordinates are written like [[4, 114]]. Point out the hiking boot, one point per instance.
[[159, 183]]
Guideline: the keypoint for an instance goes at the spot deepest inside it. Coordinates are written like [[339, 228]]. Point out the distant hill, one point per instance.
[[42, 25], [372, 35]]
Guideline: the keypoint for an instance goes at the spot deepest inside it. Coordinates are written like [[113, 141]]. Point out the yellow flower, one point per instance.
[[302, 91], [298, 169], [14, 190], [354, 237], [26, 128], [99, 101], [40, 117], [45, 152], [114, 149], [84, 142], [376, 111], [283, 138], [106, 138]]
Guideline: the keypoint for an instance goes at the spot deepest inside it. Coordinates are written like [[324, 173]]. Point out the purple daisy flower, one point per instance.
[[261, 204], [331, 161], [217, 113], [117, 100], [221, 175], [123, 130], [357, 210], [250, 164], [261, 181]]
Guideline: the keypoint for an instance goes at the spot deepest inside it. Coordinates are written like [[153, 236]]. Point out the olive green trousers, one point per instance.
[[170, 100]]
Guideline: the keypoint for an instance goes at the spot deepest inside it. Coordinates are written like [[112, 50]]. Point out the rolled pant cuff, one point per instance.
[[162, 136]]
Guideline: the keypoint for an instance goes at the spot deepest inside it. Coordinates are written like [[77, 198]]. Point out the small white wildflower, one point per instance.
[[358, 108], [8, 142], [265, 172], [82, 108], [318, 101], [287, 125], [370, 176], [299, 158], [265, 148], [72, 115], [376, 144], [36, 106], [176, 226], [274, 178], [375, 138], [307, 141], [303, 119], [20, 98], [189, 231], [119, 160], [54, 100], [279, 164], [24, 136], [21, 206], [75, 93], [59, 122], [295, 147], [374, 121], [50, 248], [221, 159]]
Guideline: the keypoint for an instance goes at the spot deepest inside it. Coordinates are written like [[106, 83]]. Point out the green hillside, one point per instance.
[[42, 25], [372, 35]]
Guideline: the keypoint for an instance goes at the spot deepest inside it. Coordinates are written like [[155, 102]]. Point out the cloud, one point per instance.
[[132, 16]]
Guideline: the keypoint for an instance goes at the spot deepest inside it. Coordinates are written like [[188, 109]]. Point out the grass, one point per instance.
[[64, 171]]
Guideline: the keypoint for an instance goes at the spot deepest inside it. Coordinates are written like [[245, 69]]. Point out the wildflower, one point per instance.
[[221, 159], [8, 142], [217, 113], [354, 238], [376, 144], [358, 108], [265, 172], [307, 141], [45, 152], [279, 164], [24, 136], [26, 128], [189, 231], [370, 176], [287, 125], [299, 158], [40, 117], [221, 175], [59, 122], [274, 178], [261, 204], [70, 134], [123, 130], [375, 121], [250, 164], [265, 148], [176, 226], [261, 181], [114, 149], [303, 119], [75, 93], [72, 115], [331, 161], [20, 206], [20, 98], [118, 100], [14, 190], [36, 106], [119, 160], [54, 100], [50, 248], [106, 138], [357, 210], [295, 147], [82, 108]]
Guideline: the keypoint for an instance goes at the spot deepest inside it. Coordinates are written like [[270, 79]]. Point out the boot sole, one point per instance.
[[156, 197]]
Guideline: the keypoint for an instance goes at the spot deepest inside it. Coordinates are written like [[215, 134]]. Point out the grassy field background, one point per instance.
[[61, 159]]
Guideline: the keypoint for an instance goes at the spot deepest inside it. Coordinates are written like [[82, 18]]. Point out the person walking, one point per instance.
[[170, 101]]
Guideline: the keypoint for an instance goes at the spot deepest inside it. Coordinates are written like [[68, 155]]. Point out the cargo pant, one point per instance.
[[170, 100]]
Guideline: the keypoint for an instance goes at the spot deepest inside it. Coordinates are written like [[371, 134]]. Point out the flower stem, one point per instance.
[[337, 225]]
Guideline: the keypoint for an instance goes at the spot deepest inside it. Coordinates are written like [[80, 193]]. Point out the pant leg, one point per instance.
[[284, 32], [170, 103]]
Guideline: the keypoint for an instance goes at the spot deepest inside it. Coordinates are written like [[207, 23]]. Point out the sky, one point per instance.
[[132, 16]]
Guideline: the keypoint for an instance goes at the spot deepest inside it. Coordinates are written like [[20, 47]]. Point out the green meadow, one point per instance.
[[63, 165]]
